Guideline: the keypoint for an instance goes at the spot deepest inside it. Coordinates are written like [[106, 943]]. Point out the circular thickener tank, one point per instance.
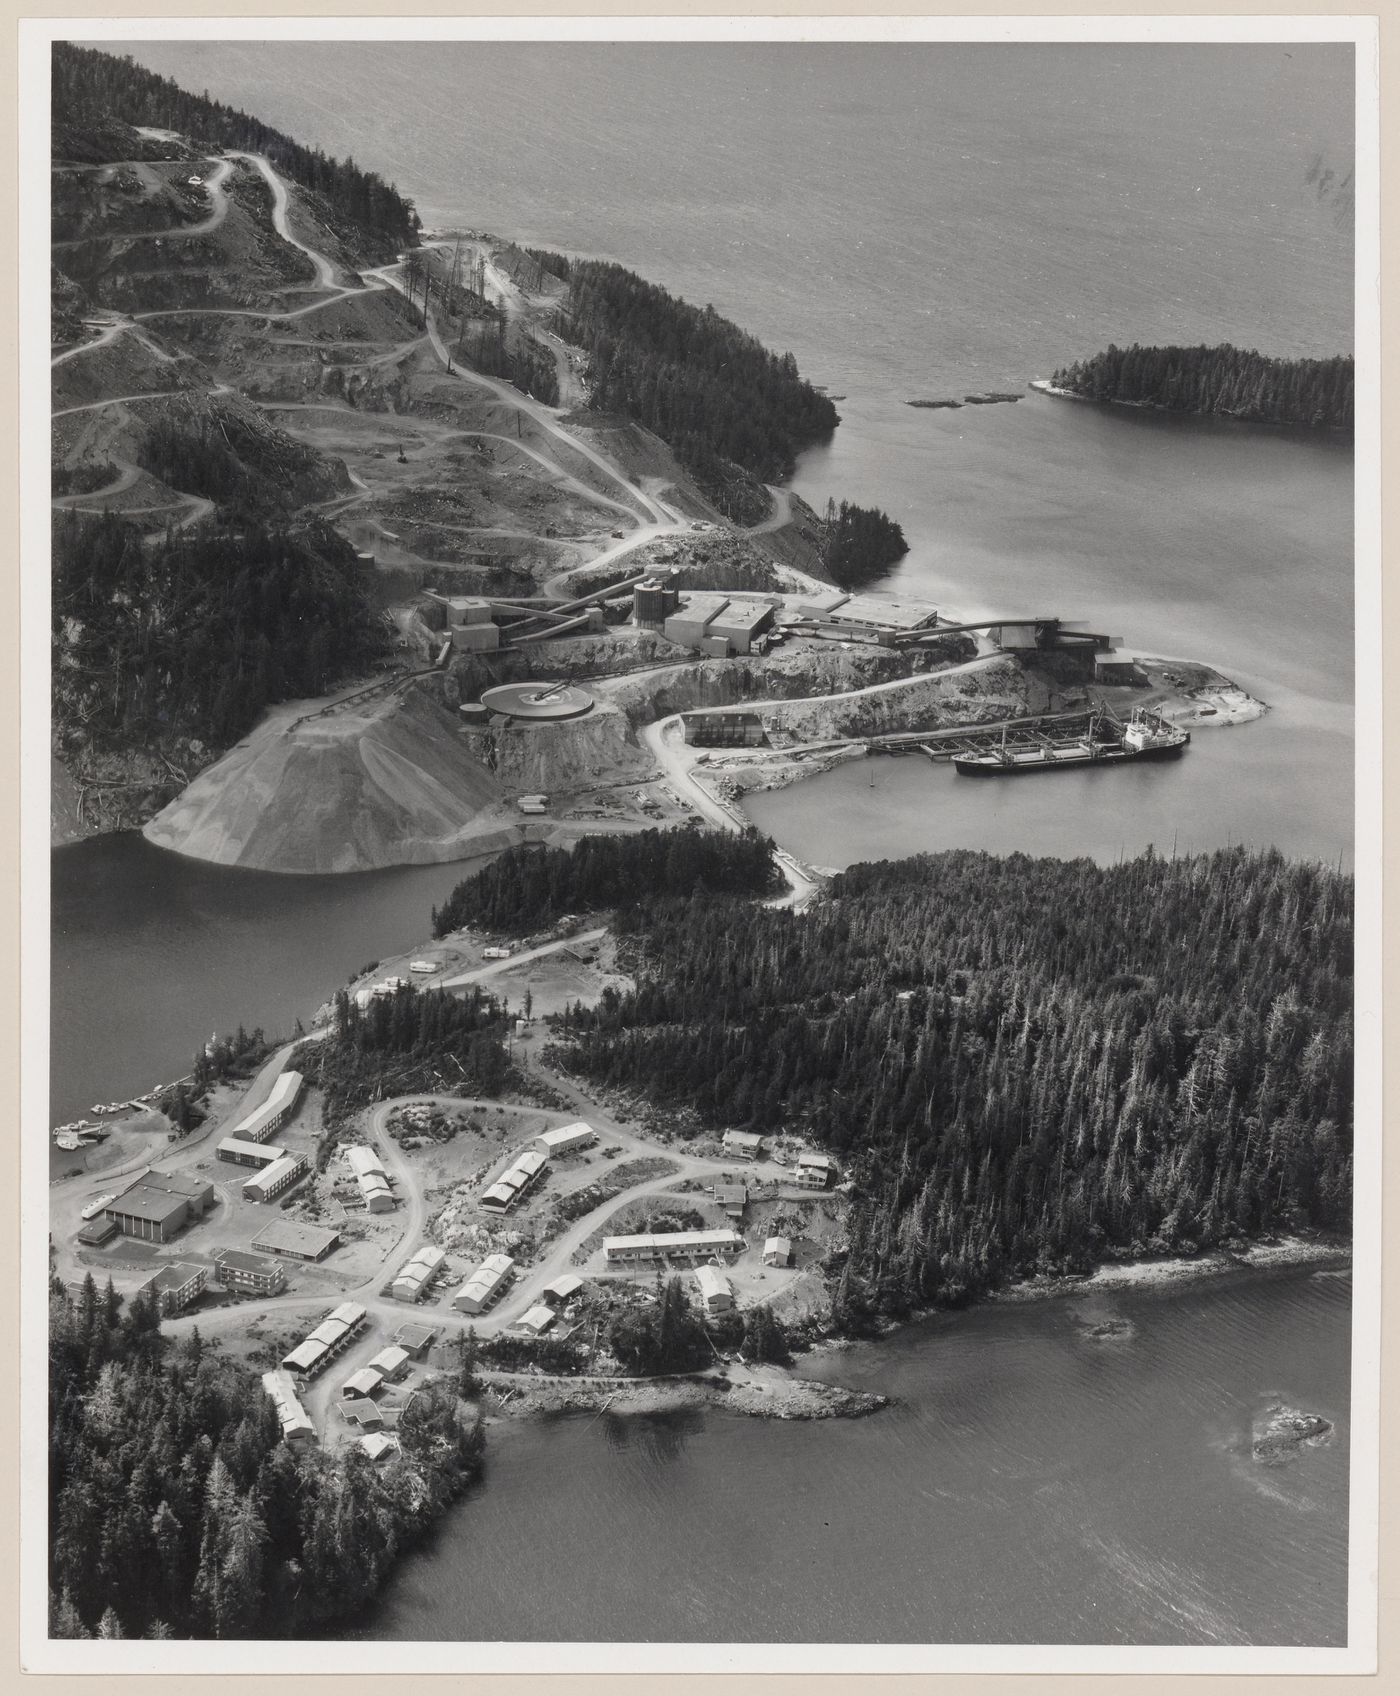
[[537, 701]]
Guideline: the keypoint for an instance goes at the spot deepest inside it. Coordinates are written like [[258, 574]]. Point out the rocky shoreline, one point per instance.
[[758, 1392]]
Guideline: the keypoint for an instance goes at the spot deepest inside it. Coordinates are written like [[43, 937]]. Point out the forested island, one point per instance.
[[175, 1508], [1223, 382], [92, 88], [1026, 1065]]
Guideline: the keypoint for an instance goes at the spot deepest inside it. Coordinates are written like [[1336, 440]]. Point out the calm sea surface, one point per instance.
[[1031, 1485], [910, 222]]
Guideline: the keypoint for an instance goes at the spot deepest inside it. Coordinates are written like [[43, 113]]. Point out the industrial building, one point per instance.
[[391, 1363], [485, 1284], [236, 1269], [563, 1289], [275, 1179], [813, 1171], [654, 600], [289, 1237], [686, 625], [514, 1182], [415, 1340], [175, 1286], [658, 1245], [96, 1233], [723, 730], [567, 1139], [743, 1145], [331, 1338], [296, 1423], [865, 615], [281, 1103], [419, 1272], [369, 1174], [537, 1321], [718, 624], [243, 1153], [716, 1292], [1116, 667], [777, 1251]]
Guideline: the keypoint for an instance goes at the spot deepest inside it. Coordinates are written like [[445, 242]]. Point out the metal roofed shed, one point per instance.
[[390, 1362], [538, 1320], [567, 1139], [562, 1289], [295, 1240], [362, 1383], [716, 1292], [378, 1447], [777, 1251]]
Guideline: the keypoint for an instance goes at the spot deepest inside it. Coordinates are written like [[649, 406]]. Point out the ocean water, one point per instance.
[[1031, 1484]]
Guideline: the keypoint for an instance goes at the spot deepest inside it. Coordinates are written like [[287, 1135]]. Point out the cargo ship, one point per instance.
[[1146, 736]]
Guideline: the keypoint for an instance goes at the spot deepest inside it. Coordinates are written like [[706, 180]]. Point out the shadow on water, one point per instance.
[[657, 1436]]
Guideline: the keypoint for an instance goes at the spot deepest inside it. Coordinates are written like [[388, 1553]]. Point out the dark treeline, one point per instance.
[[406, 1041], [175, 1508], [197, 634], [530, 886], [861, 543], [1226, 381], [1024, 1064], [92, 87], [714, 393]]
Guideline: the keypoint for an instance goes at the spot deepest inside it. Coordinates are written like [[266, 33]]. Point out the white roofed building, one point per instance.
[[777, 1251], [538, 1320], [658, 1245], [485, 1284], [566, 1139], [716, 1292]]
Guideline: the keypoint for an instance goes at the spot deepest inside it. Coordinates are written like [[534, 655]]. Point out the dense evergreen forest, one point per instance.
[[90, 88], [528, 886], [412, 1039], [1225, 381], [1024, 1064], [715, 394], [175, 1508], [861, 543], [198, 633]]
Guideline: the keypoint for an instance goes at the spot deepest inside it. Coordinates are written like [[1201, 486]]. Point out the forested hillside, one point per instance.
[[175, 1508], [1024, 1064], [90, 88], [196, 634], [410, 1040], [1226, 381], [528, 886], [714, 393]]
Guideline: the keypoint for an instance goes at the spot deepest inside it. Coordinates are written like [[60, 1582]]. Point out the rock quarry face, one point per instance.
[[393, 783], [570, 754]]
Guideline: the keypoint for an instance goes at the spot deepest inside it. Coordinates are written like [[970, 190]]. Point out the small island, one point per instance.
[[1219, 382]]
